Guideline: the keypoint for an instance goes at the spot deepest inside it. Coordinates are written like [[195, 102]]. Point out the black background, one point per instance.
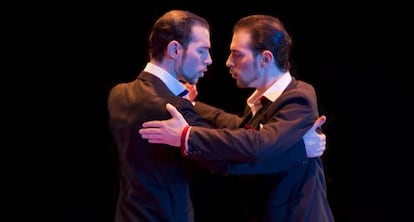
[[351, 54]]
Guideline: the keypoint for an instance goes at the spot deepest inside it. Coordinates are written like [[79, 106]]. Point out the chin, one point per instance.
[[193, 81], [241, 85]]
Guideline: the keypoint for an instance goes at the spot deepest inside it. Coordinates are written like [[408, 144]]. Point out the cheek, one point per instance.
[[247, 71], [244, 66], [191, 61], [190, 67]]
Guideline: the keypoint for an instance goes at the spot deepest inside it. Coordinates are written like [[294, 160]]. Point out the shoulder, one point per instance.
[[301, 87], [304, 85], [118, 90], [301, 92]]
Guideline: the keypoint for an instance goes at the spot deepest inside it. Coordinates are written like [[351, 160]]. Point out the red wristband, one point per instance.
[[183, 135]]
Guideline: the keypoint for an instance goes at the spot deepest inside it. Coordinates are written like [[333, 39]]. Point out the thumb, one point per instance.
[[172, 110], [319, 122]]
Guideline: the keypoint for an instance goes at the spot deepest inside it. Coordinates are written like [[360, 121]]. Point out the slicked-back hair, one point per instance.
[[268, 33], [173, 25]]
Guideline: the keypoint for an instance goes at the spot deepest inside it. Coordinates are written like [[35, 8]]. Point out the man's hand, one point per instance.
[[315, 140], [165, 131]]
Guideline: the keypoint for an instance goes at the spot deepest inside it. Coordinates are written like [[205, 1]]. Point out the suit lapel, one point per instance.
[[246, 119], [262, 115], [254, 123], [158, 85]]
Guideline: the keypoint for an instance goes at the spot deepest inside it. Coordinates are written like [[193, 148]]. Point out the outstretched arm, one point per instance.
[[169, 132]]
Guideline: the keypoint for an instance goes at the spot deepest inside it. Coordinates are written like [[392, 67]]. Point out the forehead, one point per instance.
[[200, 36], [240, 40]]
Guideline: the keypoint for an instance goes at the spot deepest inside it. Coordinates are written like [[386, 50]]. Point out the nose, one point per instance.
[[229, 63], [209, 61]]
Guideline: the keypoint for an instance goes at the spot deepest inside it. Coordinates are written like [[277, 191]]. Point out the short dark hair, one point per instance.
[[173, 25], [268, 33]]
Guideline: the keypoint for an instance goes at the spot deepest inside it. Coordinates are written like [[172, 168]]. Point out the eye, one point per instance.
[[237, 54], [203, 51]]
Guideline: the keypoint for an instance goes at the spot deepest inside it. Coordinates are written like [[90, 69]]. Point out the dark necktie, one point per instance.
[[264, 101], [183, 93]]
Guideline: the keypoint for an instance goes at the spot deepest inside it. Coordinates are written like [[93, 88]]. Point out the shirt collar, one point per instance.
[[273, 92], [169, 80]]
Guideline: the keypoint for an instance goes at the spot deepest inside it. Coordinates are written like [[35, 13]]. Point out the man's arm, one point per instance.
[[170, 132]]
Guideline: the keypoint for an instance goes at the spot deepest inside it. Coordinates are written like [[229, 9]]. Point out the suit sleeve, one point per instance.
[[288, 120], [186, 108], [216, 117]]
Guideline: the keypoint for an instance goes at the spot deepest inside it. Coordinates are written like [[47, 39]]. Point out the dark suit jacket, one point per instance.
[[154, 183], [286, 185]]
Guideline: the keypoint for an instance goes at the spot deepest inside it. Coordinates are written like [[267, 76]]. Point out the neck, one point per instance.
[[167, 65], [270, 76]]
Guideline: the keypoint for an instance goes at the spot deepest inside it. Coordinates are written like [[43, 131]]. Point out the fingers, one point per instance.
[[176, 115], [154, 123], [149, 131], [319, 122], [317, 125], [172, 110]]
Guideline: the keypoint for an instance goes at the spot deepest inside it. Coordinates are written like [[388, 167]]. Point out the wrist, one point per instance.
[[183, 140]]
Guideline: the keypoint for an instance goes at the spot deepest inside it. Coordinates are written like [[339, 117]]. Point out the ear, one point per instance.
[[174, 49], [267, 57]]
